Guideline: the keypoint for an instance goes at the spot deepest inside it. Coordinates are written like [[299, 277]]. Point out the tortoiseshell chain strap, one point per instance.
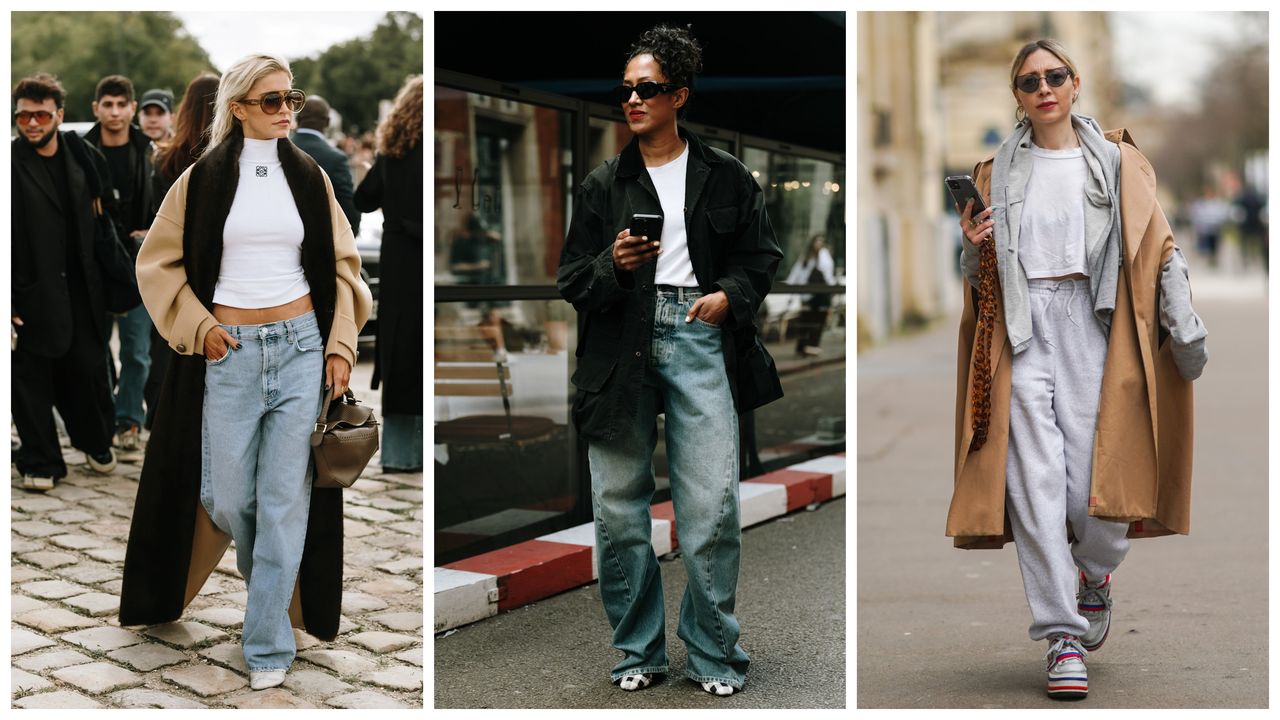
[[981, 399]]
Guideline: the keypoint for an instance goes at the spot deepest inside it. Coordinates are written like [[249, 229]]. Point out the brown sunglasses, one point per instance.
[[272, 101]]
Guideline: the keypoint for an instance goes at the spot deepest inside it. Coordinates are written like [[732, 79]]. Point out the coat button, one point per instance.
[[182, 348], [637, 353]]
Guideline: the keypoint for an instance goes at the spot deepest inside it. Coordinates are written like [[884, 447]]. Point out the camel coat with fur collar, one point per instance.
[[1143, 442]]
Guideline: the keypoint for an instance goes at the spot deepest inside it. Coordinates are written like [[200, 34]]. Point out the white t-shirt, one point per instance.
[[674, 266], [262, 238], [1051, 235]]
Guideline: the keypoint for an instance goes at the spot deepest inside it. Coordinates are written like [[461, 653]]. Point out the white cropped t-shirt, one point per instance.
[[262, 238], [1051, 233]]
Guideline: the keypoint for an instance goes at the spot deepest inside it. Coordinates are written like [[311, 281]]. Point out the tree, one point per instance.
[[355, 75], [152, 49]]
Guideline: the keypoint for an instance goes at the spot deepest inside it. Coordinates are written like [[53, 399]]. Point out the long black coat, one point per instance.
[[395, 185], [167, 559], [39, 221], [732, 248]]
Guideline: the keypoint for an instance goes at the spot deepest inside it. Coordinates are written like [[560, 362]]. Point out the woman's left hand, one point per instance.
[[709, 308], [337, 375]]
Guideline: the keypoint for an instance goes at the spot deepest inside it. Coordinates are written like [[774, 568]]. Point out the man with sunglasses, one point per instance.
[[128, 151], [59, 318], [667, 325]]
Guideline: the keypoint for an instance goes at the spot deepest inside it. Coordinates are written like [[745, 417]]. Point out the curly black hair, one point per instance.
[[676, 51]]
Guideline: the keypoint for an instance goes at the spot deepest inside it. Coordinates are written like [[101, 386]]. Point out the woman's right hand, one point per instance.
[[632, 251], [216, 343], [977, 230]]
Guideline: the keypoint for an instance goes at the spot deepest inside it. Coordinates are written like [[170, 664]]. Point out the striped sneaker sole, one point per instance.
[[1069, 688]]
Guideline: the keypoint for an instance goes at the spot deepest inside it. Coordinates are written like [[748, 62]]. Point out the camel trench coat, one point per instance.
[[1143, 441]]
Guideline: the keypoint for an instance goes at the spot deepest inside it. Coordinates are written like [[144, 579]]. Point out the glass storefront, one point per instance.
[[502, 189], [503, 460], [508, 467]]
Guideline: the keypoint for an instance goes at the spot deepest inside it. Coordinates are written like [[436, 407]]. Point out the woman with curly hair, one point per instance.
[[1078, 346], [668, 327], [395, 185]]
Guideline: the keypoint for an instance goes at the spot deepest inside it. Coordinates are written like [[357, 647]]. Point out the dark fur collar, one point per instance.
[[212, 189]]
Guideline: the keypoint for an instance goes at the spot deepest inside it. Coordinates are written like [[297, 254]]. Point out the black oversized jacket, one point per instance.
[[732, 248]]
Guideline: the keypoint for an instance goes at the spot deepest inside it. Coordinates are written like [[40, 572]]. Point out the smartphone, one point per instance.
[[962, 189], [647, 225]]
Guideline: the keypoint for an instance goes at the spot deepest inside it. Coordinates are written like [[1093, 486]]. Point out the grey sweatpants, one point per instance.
[[1052, 415]]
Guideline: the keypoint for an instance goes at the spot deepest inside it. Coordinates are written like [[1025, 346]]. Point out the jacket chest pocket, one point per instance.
[[722, 220]]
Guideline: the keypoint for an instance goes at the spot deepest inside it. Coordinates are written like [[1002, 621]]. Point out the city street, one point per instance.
[[941, 627], [69, 651], [556, 654]]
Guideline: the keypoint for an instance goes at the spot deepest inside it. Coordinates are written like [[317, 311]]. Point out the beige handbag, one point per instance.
[[345, 438]]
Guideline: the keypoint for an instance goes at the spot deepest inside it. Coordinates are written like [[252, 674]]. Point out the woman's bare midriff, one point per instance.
[[227, 315], [1072, 276]]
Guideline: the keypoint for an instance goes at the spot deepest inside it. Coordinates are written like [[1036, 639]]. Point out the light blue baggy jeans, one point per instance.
[[686, 375], [260, 406]]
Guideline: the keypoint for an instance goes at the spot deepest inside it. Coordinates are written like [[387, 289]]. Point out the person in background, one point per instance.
[[816, 267], [156, 115], [313, 121], [191, 134], [394, 183], [58, 313], [128, 151], [1208, 213]]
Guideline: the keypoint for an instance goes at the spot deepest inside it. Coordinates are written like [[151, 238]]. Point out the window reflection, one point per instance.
[[502, 452], [502, 177]]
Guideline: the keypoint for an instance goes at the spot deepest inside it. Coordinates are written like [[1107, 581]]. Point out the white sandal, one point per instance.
[[715, 687], [638, 681]]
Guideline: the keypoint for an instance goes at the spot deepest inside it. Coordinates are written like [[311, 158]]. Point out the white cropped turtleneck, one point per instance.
[[262, 238]]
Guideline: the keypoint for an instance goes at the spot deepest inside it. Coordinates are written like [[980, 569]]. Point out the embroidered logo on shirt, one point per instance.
[[260, 170]]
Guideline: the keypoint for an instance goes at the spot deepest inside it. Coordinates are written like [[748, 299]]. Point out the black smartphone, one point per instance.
[[646, 225], [962, 189]]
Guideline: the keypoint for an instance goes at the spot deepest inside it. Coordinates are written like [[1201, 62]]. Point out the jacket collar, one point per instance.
[[631, 162], [25, 157], [701, 159]]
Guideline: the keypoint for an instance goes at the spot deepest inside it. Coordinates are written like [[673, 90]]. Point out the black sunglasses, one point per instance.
[[646, 90], [1031, 82], [272, 101]]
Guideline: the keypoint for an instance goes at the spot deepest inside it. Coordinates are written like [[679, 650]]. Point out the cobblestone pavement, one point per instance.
[[69, 651]]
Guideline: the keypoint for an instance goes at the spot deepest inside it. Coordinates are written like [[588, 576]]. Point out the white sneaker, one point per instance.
[[1068, 676], [263, 679], [1094, 603], [39, 483]]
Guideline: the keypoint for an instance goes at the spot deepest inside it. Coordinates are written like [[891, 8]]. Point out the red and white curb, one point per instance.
[[482, 586]]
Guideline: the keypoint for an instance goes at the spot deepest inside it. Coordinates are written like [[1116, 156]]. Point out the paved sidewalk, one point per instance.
[[940, 627], [69, 651]]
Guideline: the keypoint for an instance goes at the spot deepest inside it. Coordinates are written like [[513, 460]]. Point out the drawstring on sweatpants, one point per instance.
[[1071, 299]]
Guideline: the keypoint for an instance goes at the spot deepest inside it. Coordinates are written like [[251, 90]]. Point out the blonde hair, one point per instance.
[[235, 85], [1053, 46], [402, 128]]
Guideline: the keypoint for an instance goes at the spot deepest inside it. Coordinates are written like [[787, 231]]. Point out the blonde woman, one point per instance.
[[250, 273], [1064, 355]]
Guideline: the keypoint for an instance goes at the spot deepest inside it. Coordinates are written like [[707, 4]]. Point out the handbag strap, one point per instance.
[[322, 420]]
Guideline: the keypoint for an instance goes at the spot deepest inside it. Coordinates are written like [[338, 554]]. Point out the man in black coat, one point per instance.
[[313, 120], [58, 303], [133, 205]]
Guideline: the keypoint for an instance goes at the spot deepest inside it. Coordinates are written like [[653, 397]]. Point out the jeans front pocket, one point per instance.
[[308, 341], [221, 360]]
